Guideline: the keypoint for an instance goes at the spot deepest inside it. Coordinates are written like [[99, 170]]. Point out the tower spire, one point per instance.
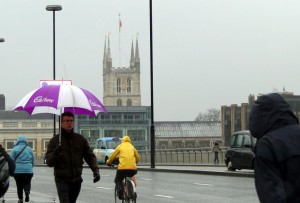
[[104, 52], [137, 53], [108, 55], [132, 54]]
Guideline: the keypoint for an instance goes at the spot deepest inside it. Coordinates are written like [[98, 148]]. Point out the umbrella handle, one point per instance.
[[59, 136]]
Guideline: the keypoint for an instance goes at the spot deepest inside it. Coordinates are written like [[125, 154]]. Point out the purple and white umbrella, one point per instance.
[[56, 99]]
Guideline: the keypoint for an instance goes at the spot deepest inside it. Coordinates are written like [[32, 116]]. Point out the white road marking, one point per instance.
[[170, 197], [203, 184], [104, 188], [145, 179]]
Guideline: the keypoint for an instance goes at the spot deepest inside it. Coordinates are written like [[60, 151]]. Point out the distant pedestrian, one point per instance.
[[277, 150], [24, 159], [67, 159], [216, 149]]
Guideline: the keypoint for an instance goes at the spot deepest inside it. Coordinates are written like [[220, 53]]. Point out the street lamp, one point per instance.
[[54, 8], [2, 40], [152, 127]]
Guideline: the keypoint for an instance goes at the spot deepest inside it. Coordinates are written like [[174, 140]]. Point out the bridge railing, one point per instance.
[[179, 156], [185, 156]]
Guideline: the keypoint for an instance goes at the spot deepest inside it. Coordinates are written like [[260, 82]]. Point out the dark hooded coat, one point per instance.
[[68, 163], [277, 151]]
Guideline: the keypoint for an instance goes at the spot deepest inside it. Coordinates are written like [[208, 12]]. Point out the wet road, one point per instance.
[[152, 187]]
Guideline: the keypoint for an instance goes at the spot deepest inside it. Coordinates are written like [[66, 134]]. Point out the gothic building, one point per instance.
[[121, 84]]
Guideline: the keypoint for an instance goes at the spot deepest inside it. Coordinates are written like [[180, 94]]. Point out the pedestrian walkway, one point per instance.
[[11, 196], [35, 197]]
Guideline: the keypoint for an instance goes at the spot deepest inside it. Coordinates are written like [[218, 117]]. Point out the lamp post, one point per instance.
[[152, 127], [2, 40], [54, 8]]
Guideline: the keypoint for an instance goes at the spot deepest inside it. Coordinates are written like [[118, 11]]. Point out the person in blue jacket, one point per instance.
[[277, 150], [24, 158]]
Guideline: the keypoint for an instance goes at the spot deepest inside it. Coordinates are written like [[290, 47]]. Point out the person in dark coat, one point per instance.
[[277, 151], [7, 168], [67, 160]]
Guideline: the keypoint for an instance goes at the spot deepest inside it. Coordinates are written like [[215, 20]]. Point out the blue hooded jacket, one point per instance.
[[25, 161]]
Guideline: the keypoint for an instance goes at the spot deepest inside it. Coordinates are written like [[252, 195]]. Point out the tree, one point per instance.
[[211, 114]]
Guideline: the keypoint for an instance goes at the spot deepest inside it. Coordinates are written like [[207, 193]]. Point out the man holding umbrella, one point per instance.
[[65, 153]]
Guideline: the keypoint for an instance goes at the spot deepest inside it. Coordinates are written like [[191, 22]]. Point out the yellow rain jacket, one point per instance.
[[128, 156]]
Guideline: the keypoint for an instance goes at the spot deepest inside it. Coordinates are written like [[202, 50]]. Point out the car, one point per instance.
[[240, 154], [104, 147]]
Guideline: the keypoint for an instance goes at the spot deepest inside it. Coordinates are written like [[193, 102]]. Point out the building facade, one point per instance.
[[2, 102], [121, 85], [38, 129], [235, 118]]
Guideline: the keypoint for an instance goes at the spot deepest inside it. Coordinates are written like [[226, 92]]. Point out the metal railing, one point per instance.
[[190, 156], [186, 156]]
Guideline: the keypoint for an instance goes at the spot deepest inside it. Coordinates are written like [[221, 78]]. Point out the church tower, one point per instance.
[[121, 85]]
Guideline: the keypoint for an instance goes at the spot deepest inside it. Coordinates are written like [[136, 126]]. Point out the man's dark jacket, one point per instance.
[[68, 162], [277, 151]]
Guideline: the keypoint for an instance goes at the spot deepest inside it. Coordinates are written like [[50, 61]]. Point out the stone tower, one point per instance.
[[121, 85]]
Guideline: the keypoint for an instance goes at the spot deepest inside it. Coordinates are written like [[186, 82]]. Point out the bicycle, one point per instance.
[[129, 192]]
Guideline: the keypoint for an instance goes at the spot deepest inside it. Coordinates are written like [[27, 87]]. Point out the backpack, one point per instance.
[[4, 176]]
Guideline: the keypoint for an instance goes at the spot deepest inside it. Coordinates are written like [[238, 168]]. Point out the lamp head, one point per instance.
[[53, 8]]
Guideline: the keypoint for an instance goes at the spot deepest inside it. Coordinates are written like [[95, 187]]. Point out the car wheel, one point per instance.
[[229, 166]]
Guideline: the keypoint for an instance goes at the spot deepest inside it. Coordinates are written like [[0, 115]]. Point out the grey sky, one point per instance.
[[206, 53]]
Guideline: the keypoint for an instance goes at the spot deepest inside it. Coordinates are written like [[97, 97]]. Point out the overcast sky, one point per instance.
[[206, 53]]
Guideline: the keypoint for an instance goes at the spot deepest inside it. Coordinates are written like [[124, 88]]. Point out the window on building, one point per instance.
[[137, 135], [45, 144], [105, 118], [128, 85], [116, 118], [119, 102], [118, 85], [129, 102], [9, 144], [31, 143], [113, 133], [10, 124], [29, 124], [128, 118], [46, 124], [94, 134]]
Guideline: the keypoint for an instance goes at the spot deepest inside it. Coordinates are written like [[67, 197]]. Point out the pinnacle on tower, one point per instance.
[[104, 52], [132, 55], [137, 53], [108, 50]]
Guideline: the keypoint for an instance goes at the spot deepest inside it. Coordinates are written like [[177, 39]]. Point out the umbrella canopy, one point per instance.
[[57, 99]]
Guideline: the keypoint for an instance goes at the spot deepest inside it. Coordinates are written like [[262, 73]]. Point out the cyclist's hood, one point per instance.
[[126, 139], [21, 139], [270, 112]]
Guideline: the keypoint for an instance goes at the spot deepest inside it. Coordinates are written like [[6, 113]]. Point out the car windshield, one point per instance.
[[112, 144]]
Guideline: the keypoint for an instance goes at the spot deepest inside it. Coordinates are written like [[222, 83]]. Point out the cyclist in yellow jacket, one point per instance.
[[128, 158]]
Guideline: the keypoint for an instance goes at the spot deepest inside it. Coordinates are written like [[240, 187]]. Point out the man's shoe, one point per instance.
[[26, 196], [120, 195], [20, 201]]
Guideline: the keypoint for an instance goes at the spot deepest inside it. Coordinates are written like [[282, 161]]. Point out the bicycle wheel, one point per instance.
[[116, 195]]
